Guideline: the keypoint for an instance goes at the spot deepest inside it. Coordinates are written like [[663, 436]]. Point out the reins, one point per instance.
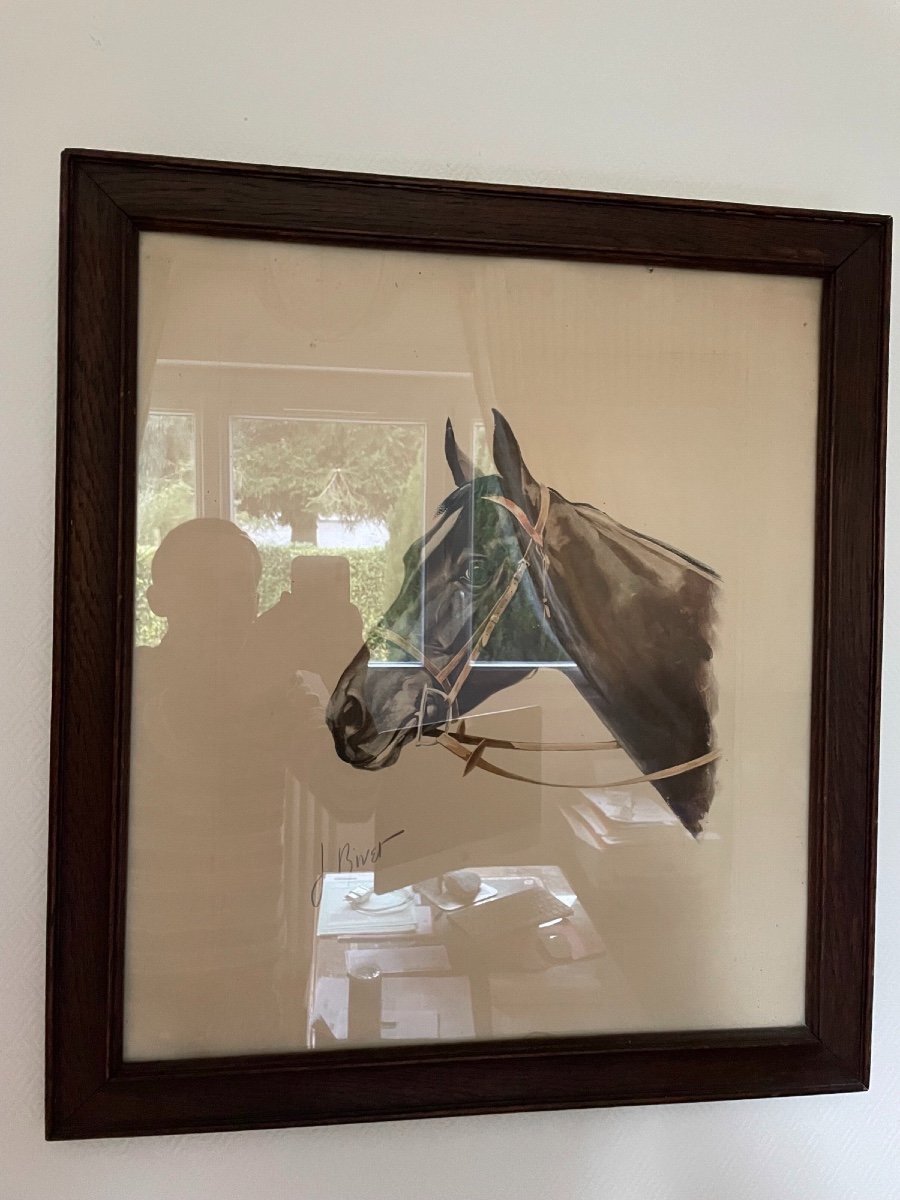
[[470, 748]]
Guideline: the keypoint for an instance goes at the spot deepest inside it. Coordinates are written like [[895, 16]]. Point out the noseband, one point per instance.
[[470, 748]]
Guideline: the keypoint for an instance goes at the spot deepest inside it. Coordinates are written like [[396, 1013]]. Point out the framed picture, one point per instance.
[[467, 637]]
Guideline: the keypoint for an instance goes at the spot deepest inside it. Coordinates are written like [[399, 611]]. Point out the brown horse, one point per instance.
[[628, 618]]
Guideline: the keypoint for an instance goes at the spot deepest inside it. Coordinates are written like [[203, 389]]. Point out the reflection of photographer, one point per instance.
[[226, 707], [297, 651], [206, 814], [314, 627]]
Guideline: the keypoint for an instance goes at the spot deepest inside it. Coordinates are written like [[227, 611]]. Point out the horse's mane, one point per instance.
[[602, 522]]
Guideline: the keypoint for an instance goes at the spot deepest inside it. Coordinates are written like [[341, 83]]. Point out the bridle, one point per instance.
[[471, 748]]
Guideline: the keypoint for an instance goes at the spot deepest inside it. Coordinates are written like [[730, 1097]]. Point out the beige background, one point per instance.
[[683, 404]]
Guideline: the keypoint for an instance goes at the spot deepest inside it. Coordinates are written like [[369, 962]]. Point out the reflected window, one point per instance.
[[481, 451], [354, 489], [167, 496]]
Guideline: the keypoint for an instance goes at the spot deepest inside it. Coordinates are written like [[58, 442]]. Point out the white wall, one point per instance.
[[777, 101]]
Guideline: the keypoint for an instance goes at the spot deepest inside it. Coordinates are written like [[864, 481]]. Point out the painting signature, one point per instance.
[[349, 858]]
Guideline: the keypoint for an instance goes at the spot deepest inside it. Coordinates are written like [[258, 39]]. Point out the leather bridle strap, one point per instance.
[[470, 748], [535, 532], [404, 644], [472, 648], [477, 643], [468, 653], [475, 758], [489, 743]]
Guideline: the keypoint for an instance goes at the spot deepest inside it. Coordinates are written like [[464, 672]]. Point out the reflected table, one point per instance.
[[434, 987]]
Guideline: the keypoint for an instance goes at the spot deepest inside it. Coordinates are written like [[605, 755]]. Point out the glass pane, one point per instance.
[[335, 775]]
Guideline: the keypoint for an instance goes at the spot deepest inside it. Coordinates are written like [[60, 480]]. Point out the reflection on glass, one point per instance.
[[481, 450], [280, 897], [167, 496], [529, 639], [351, 489]]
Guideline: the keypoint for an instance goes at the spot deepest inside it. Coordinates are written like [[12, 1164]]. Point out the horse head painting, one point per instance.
[[631, 620]]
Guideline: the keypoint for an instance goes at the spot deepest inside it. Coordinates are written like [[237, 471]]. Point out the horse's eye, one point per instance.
[[477, 573]]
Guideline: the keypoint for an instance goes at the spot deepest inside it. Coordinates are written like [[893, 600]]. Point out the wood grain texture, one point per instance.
[[848, 655], [92, 450], [107, 199], [277, 202]]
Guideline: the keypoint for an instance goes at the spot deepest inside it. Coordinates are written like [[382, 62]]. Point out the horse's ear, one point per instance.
[[519, 485], [460, 467]]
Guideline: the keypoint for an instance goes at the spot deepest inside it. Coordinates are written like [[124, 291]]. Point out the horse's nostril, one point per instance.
[[351, 714]]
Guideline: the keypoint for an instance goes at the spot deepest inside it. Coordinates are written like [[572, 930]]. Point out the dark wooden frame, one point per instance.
[[107, 200]]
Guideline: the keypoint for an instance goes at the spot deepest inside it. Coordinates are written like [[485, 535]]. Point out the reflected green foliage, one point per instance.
[[481, 456], [474, 561], [295, 470], [406, 523], [523, 633], [167, 477], [289, 471]]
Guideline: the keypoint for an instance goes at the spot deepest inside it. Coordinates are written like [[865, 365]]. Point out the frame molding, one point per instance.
[[107, 200]]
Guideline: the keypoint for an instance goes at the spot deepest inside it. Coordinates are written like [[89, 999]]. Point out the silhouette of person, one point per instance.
[[303, 643], [219, 716]]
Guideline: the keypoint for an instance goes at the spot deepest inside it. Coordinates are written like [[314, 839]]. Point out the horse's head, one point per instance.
[[453, 578]]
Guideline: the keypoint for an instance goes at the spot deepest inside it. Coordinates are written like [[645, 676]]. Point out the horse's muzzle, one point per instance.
[[357, 739]]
